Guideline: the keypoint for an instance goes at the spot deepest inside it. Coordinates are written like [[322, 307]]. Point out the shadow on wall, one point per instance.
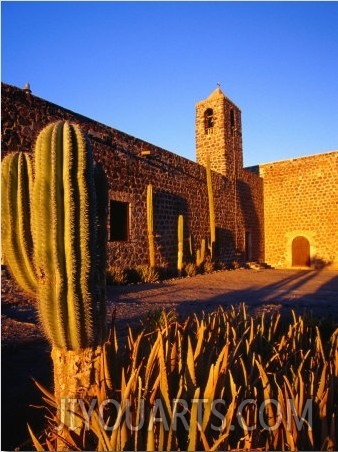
[[252, 221], [318, 263], [167, 208], [225, 249]]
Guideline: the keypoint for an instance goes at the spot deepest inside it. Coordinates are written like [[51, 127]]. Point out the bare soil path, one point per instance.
[[25, 353], [281, 290]]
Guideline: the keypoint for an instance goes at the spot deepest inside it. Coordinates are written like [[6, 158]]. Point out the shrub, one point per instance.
[[116, 276], [208, 266], [147, 274], [190, 269], [165, 273], [158, 319]]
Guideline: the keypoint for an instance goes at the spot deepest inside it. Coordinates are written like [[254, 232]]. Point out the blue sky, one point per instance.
[[142, 66]]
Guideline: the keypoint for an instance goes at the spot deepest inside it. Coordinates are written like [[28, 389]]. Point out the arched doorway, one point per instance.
[[300, 252]]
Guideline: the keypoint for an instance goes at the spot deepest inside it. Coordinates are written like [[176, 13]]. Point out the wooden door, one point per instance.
[[300, 252]]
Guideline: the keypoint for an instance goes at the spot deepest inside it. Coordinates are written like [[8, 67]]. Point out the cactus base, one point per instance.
[[75, 374]]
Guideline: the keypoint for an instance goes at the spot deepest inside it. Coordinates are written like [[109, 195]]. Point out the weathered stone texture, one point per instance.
[[301, 199], [219, 134], [179, 186]]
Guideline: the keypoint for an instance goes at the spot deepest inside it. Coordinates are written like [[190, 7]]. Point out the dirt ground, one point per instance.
[[25, 353]]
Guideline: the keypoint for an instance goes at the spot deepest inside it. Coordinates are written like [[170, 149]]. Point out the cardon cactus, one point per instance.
[[211, 208], [65, 236], [54, 230], [17, 241], [150, 223], [58, 214], [180, 244], [200, 254]]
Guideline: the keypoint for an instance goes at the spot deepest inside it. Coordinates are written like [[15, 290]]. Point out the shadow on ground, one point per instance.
[[23, 361]]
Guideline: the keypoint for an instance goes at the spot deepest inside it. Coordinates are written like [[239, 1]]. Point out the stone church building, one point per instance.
[[283, 213]]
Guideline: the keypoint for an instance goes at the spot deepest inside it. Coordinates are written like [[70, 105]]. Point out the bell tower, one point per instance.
[[219, 134]]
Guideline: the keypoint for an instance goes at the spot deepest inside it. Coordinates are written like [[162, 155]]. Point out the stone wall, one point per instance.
[[220, 137], [301, 200], [179, 186]]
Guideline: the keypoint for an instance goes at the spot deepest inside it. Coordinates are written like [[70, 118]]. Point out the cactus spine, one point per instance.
[[150, 223], [17, 241], [211, 207], [66, 261], [180, 244]]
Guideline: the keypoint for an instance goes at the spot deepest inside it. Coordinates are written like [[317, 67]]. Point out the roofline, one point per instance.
[[297, 158]]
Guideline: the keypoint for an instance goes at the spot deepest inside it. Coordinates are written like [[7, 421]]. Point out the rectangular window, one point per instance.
[[119, 221]]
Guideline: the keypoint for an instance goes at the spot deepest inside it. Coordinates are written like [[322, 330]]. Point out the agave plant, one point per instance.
[[228, 380], [116, 275], [146, 274]]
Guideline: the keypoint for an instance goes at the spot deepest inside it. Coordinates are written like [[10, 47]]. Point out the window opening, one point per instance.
[[119, 221], [232, 121], [208, 121]]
